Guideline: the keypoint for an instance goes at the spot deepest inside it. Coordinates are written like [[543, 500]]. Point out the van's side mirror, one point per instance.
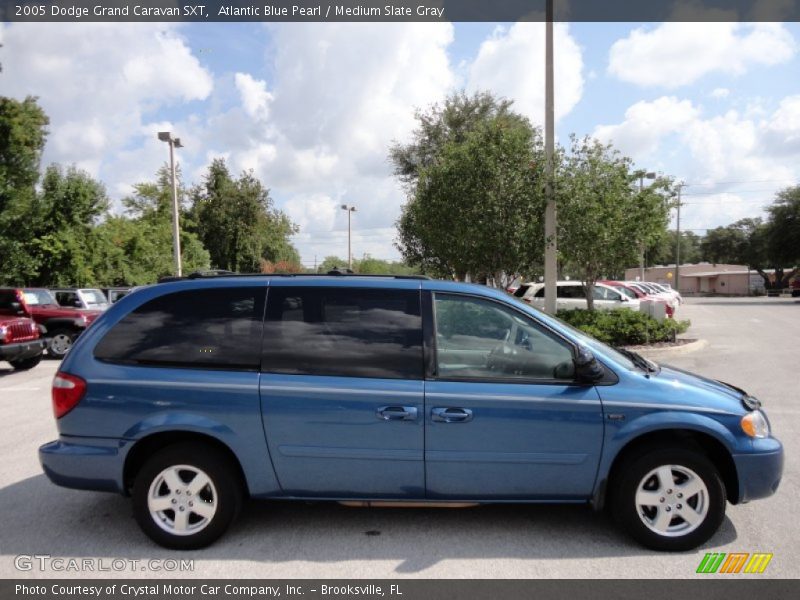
[[587, 369]]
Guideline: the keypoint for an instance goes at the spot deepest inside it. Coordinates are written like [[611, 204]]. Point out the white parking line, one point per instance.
[[20, 389]]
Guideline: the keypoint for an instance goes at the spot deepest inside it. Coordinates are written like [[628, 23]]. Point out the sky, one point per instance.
[[312, 108]]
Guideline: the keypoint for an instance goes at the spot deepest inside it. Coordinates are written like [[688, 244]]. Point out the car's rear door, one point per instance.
[[342, 390]]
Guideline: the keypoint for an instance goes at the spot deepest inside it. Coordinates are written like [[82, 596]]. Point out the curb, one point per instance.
[[674, 351]]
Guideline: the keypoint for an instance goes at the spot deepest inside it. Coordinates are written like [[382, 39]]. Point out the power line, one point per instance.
[[741, 181], [733, 192]]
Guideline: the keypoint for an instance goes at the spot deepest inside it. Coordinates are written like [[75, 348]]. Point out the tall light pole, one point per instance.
[[350, 210], [550, 222], [166, 136], [678, 244], [642, 176]]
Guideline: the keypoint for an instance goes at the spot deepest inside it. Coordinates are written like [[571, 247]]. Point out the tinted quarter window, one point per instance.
[[210, 328], [343, 332]]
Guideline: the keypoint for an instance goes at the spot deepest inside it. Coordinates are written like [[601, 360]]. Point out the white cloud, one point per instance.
[[720, 92], [511, 63], [782, 129], [743, 158], [254, 94], [98, 82], [647, 123], [321, 134], [675, 54]]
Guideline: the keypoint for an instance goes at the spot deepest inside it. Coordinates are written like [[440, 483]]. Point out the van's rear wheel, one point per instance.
[[669, 499], [186, 496]]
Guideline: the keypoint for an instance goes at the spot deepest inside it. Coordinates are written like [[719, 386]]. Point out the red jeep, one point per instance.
[[62, 324], [19, 342]]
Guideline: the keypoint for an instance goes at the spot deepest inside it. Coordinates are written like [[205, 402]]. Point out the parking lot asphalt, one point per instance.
[[752, 343]]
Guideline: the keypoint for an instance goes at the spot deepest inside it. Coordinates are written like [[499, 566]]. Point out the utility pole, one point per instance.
[[350, 210], [642, 176], [166, 136], [550, 215], [678, 245]]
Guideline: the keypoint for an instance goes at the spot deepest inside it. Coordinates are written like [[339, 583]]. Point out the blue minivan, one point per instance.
[[194, 394]]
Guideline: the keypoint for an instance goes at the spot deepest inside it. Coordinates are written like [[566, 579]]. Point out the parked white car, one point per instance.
[[570, 294], [675, 294], [654, 290], [86, 298]]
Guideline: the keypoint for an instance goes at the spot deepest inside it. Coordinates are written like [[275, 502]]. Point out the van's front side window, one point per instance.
[[480, 339]]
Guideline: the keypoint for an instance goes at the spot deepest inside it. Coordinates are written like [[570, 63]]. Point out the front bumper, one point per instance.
[[759, 471], [85, 463], [21, 350]]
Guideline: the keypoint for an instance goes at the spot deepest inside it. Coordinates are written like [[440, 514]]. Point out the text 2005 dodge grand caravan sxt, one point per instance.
[[194, 394]]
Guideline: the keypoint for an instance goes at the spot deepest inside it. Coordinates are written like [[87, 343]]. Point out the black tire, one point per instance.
[[27, 363], [631, 516], [224, 495], [59, 342]]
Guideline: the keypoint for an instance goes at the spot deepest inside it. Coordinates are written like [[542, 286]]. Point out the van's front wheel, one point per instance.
[[186, 496], [671, 499]]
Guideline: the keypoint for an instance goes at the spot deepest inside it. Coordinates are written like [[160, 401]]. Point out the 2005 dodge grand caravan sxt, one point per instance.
[[194, 394]]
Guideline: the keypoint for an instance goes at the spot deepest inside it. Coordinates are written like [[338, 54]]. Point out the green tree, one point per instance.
[[661, 251], [144, 235], [603, 216], [62, 239], [23, 132], [376, 266], [447, 124], [473, 176], [333, 262], [238, 223], [762, 246], [782, 243], [727, 244]]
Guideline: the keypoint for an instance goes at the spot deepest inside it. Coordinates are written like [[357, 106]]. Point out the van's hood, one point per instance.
[[720, 389]]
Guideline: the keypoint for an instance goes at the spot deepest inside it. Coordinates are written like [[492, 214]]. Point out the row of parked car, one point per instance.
[[33, 320], [608, 295]]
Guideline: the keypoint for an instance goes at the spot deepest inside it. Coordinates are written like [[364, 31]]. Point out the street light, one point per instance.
[[166, 136], [642, 176], [550, 213], [350, 210]]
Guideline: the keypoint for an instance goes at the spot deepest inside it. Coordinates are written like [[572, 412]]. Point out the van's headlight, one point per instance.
[[755, 424]]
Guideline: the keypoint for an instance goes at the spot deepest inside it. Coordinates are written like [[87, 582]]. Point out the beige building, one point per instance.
[[704, 278]]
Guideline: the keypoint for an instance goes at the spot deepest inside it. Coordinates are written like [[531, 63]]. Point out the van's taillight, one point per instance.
[[67, 392]]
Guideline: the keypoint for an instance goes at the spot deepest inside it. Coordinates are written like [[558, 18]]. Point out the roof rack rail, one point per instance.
[[335, 272]]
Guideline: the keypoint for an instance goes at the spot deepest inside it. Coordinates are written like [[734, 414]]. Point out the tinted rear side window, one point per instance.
[[521, 291], [216, 328], [343, 332], [570, 291]]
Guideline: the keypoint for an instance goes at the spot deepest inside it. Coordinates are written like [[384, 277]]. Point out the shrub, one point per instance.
[[623, 327]]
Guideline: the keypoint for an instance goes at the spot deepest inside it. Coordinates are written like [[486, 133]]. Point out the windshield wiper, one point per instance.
[[640, 361]]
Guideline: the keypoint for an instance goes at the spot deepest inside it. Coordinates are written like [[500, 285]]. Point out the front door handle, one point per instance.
[[397, 413], [451, 415]]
